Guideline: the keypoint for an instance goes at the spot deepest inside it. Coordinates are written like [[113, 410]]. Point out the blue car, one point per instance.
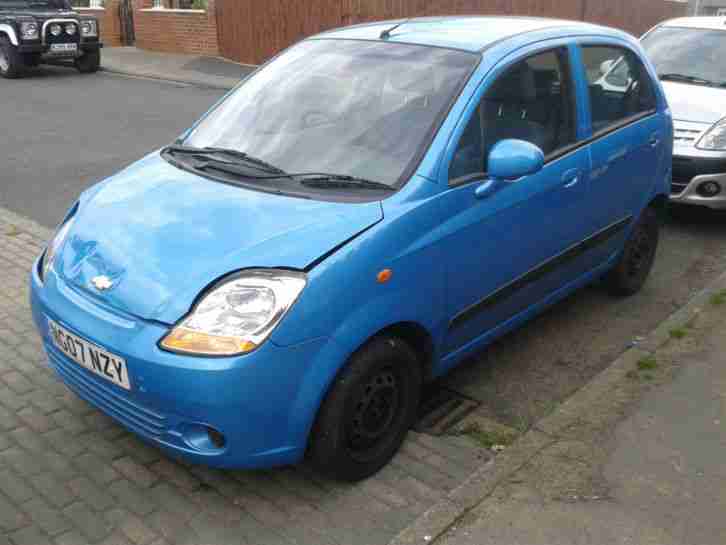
[[360, 215]]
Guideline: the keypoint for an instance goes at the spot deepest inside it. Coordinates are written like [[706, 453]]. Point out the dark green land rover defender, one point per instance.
[[46, 31]]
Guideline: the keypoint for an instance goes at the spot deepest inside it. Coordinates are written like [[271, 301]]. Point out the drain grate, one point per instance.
[[441, 409]]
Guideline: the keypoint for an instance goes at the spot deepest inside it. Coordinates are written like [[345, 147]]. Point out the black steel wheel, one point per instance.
[[635, 263], [89, 62], [368, 411]]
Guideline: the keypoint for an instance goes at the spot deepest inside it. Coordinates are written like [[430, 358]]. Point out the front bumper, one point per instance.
[[84, 47], [258, 402], [693, 169]]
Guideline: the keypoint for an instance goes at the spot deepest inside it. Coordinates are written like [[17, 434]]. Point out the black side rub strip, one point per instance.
[[540, 271]]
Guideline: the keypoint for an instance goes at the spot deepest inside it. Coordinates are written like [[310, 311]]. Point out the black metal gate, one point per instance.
[[126, 15]]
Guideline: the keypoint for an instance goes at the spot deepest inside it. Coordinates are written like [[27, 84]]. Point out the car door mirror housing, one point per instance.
[[512, 159]]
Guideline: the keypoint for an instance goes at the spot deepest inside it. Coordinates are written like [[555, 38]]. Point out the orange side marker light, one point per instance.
[[384, 276]]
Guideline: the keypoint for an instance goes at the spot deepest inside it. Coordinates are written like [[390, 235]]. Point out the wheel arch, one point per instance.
[[418, 339], [9, 32], [660, 204]]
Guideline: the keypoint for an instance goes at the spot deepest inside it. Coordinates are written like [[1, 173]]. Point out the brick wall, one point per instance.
[[176, 31], [108, 21]]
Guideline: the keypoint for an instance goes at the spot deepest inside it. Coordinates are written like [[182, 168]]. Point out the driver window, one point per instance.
[[530, 101], [620, 86]]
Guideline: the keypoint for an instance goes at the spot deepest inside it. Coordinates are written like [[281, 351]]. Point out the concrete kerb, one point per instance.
[[484, 481], [180, 82]]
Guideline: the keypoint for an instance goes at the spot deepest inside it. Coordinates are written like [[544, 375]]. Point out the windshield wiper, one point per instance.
[[209, 153], [687, 79], [339, 181]]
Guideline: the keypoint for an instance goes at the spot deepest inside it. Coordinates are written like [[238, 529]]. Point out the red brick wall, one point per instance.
[[108, 21], [176, 31]]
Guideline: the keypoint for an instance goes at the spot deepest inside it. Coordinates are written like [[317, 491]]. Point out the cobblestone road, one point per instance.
[[69, 475]]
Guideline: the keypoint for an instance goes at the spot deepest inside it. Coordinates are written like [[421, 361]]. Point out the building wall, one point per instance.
[[108, 21], [176, 31]]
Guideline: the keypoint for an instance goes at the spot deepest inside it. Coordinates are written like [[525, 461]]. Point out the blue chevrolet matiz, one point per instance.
[[356, 218]]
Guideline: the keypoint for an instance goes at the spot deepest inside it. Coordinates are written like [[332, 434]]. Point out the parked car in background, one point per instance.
[[690, 57], [362, 214], [36, 31]]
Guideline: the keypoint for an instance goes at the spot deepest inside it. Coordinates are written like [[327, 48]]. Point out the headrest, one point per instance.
[[516, 85]]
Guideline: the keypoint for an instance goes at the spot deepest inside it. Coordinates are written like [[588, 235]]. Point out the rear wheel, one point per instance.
[[11, 62], [89, 62], [368, 411], [632, 269]]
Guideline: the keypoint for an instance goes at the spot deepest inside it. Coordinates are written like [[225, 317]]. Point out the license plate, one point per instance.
[[90, 356], [63, 48]]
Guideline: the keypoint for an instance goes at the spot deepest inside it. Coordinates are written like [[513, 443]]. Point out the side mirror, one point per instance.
[[512, 159], [606, 66]]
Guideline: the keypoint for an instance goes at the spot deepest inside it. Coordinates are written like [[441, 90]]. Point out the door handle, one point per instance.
[[654, 140], [571, 177]]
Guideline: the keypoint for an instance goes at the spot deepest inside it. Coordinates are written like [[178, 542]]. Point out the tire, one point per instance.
[[11, 62], [368, 411], [635, 263], [89, 63]]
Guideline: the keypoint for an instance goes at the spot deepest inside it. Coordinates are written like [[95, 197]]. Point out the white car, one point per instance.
[[690, 57]]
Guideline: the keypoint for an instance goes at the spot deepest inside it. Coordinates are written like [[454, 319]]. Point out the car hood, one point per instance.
[[695, 103], [162, 235]]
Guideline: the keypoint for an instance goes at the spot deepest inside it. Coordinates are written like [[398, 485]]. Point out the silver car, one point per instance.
[[690, 57]]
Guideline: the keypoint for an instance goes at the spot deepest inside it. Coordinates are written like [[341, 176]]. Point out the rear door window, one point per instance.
[[620, 87]]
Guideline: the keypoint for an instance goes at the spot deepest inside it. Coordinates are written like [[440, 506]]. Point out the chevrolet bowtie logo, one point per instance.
[[102, 283]]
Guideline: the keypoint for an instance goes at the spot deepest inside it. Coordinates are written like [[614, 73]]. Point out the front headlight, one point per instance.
[[56, 29], [71, 29], [53, 246], [29, 30], [715, 138], [238, 315], [89, 29]]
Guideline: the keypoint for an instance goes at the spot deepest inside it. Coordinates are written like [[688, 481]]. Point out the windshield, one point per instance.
[[36, 4], [697, 54], [356, 108]]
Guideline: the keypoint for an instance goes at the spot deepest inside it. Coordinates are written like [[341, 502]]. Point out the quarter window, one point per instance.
[[531, 101], [620, 86]]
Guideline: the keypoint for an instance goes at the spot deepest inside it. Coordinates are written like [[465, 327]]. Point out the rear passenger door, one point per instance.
[[626, 138]]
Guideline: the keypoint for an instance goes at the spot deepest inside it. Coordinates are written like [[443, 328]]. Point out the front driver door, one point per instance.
[[509, 250]]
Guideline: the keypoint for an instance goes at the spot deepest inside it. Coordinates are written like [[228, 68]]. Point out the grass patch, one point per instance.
[[647, 364], [11, 231], [648, 376], [678, 333], [719, 298], [488, 438]]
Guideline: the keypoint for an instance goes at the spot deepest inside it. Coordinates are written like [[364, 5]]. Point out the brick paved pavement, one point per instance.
[[69, 475]]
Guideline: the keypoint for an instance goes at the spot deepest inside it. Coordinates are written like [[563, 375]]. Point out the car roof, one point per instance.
[[469, 33], [705, 23]]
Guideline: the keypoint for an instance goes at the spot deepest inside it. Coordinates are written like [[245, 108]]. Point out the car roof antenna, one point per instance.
[[387, 33]]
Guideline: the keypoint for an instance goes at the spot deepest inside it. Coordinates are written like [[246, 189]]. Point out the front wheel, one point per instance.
[[11, 62], [635, 263], [89, 62], [368, 411]]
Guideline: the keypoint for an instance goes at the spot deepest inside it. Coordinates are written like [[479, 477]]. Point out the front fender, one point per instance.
[[358, 328], [9, 31]]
